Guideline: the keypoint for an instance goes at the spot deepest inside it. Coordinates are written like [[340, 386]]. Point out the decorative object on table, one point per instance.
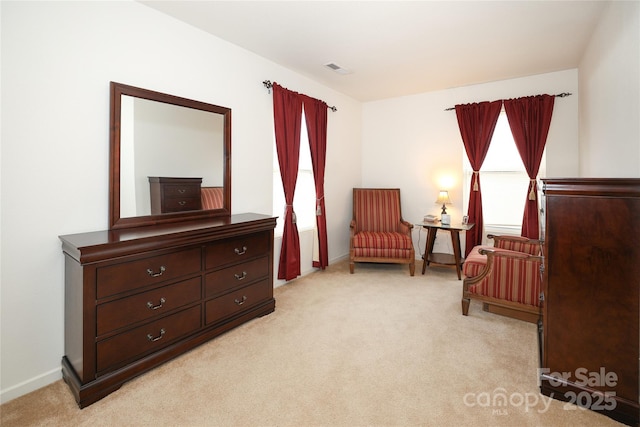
[[430, 218], [443, 199]]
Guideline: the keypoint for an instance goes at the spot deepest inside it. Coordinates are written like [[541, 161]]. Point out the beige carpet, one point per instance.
[[376, 348]]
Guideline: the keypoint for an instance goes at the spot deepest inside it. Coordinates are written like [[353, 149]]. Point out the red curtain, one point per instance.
[[315, 112], [476, 122], [287, 115], [529, 120]]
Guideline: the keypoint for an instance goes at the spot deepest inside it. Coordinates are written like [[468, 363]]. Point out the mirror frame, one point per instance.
[[115, 221]]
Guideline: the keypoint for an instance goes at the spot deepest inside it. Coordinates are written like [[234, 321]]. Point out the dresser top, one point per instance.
[[599, 187], [97, 245]]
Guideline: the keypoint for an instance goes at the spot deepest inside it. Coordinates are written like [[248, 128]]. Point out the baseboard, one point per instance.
[[277, 283], [30, 385], [338, 259]]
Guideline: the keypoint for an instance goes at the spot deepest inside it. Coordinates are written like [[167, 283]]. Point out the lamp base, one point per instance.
[[445, 219]]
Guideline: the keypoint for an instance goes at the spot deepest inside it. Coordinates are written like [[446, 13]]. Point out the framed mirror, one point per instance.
[[170, 158]]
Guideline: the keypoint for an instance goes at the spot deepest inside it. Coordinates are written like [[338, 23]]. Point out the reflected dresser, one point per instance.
[[138, 297], [174, 194]]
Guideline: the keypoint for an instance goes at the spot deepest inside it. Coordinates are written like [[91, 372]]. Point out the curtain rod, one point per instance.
[[560, 95], [269, 85]]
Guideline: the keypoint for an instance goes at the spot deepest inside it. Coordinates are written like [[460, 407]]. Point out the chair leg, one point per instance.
[[412, 268], [351, 267], [465, 306]]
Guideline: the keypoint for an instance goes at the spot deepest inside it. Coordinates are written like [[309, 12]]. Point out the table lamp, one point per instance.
[[443, 199]]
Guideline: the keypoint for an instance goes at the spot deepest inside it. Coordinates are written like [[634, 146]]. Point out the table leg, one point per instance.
[[428, 250], [455, 239]]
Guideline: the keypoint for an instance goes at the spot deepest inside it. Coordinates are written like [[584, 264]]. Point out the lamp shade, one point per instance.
[[443, 199]]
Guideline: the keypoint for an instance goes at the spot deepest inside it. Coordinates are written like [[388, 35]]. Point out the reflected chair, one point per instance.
[[505, 277], [378, 232], [212, 197]]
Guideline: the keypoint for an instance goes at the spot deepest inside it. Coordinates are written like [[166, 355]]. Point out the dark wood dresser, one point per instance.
[[174, 194], [137, 297], [591, 322]]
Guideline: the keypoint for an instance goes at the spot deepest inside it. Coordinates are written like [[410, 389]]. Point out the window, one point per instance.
[[504, 182], [304, 200]]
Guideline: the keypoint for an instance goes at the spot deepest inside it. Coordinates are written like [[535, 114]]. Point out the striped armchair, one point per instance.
[[505, 277], [378, 232]]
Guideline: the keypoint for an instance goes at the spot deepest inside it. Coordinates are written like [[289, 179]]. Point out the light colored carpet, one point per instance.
[[376, 348]]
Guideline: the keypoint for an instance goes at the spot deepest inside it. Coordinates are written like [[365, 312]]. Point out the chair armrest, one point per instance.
[[517, 243], [508, 254], [405, 227]]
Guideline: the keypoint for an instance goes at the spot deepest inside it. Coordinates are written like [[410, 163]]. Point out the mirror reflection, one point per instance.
[[160, 140]]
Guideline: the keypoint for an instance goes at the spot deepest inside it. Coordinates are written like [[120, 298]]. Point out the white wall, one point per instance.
[[414, 144], [610, 102], [57, 61]]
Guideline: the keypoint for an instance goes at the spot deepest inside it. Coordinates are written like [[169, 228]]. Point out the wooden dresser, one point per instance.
[[591, 322], [137, 297], [174, 194]]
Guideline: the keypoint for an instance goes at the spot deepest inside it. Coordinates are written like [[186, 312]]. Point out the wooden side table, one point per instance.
[[440, 258]]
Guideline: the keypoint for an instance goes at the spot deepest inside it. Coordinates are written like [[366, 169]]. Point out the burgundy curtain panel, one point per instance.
[[315, 112], [287, 115], [477, 122], [529, 120]]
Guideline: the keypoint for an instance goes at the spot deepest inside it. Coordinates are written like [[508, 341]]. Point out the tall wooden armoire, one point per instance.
[[591, 333]]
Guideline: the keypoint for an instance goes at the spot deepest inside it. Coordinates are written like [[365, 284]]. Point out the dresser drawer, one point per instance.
[[237, 275], [118, 278], [150, 337], [143, 306], [181, 190], [238, 301], [237, 250], [177, 204]]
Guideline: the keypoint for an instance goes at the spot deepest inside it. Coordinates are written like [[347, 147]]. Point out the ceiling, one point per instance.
[[397, 48]]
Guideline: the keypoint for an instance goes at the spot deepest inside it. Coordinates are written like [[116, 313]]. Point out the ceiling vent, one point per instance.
[[338, 69]]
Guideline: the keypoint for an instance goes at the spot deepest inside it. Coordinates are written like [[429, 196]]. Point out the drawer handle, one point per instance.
[[182, 190], [241, 276], [155, 307], [240, 301], [182, 203], [152, 274], [241, 252], [154, 339]]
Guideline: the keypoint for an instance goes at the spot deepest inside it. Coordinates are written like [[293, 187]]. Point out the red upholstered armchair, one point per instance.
[[378, 232], [505, 277]]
